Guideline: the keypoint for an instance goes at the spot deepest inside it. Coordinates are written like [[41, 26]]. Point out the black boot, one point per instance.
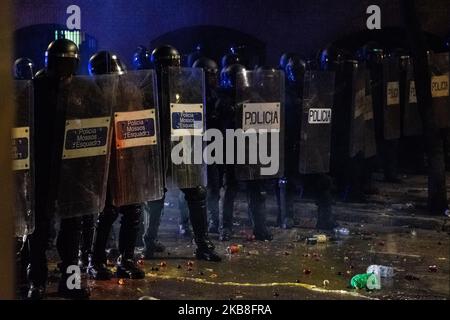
[[68, 287], [126, 266], [97, 268], [196, 199], [325, 219], [36, 291], [256, 202], [152, 245]]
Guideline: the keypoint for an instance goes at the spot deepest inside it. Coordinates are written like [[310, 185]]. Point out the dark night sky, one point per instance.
[[285, 25]]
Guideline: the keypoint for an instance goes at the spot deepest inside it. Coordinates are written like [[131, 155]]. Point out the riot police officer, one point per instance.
[[313, 165], [24, 69], [107, 63], [234, 78], [61, 63], [141, 58], [163, 58]]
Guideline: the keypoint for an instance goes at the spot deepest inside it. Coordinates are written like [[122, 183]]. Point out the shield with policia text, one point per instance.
[[135, 167], [82, 161], [316, 122], [259, 142], [439, 65], [22, 158], [184, 123], [391, 98]]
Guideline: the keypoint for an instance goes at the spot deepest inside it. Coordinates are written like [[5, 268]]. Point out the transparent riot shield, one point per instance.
[[184, 128], [22, 158], [259, 126], [316, 122], [391, 99], [412, 123], [439, 64], [135, 170], [82, 160], [357, 92], [370, 144]]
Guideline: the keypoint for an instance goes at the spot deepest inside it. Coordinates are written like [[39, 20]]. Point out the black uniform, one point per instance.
[[62, 58], [162, 58], [107, 63]]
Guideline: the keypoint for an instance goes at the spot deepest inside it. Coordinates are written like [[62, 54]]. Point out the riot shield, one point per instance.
[[22, 158], [439, 64], [259, 126], [85, 108], [357, 93], [184, 117], [370, 144], [135, 170], [412, 123], [391, 99], [316, 122]]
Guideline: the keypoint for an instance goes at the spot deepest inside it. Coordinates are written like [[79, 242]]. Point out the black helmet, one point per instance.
[[198, 53], [23, 69], [165, 56], [208, 65], [371, 52], [286, 57], [330, 57], [295, 70], [62, 57], [141, 59], [234, 76], [267, 76], [105, 62], [230, 59]]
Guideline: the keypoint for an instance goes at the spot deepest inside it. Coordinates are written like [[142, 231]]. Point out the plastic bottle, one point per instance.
[[369, 281], [382, 271]]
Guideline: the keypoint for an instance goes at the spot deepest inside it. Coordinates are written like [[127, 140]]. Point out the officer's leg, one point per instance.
[[37, 270], [230, 192], [256, 206], [322, 191], [183, 227], [196, 199], [214, 185], [67, 244], [390, 161], [87, 236], [126, 265], [154, 212], [98, 269]]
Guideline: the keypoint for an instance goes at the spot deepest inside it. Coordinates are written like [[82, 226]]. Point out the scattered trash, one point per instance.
[[433, 269], [368, 281], [311, 241], [321, 238], [410, 277], [121, 282], [382, 271], [276, 294], [179, 266], [234, 249], [190, 263], [141, 262], [341, 232], [414, 233], [163, 264], [306, 271], [326, 283], [209, 270], [253, 253], [213, 276]]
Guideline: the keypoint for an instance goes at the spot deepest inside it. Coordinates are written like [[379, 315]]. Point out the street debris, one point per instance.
[[369, 281], [381, 271], [433, 269], [326, 283]]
